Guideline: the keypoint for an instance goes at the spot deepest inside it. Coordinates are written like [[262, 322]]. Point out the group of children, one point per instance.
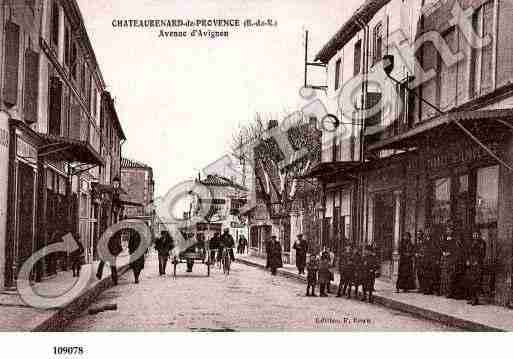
[[356, 269]]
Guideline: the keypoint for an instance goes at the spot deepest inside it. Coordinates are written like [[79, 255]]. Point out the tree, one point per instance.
[[275, 169]]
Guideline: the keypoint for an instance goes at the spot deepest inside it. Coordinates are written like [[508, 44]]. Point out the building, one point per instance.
[[219, 211], [423, 169], [137, 181], [50, 103]]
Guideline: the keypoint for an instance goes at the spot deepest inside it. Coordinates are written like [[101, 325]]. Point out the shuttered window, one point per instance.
[[67, 47], [65, 112], [448, 75], [55, 101], [337, 73], [377, 44], [75, 120], [429, 88], [88, 89], [74, 61], [357, 57], [481, 80], [54, 31], [31, 86], [11, 62]]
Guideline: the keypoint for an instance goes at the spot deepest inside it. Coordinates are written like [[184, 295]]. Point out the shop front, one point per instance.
[[454, 179], [36, 191]]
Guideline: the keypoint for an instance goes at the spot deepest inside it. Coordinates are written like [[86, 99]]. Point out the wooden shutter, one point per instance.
[[448, 75], [429, 88], [12, 53], [65, 112], [54, 127], [357, 57], [487, 52], [31, 87], [75, 121]]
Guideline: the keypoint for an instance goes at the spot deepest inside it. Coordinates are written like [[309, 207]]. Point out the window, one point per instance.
[[67, 45], [481, 75], [337, 74], [429, 89], [11, 63], [31, 86], [74, 61], [94, 99], [357, 57], [55, 102], [83, 77], [448, 75], [54, 31], [441, 208], [335, 150], [487, 194], [377, 43]]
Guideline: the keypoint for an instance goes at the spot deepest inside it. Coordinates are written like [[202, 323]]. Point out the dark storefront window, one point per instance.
[[487, 194], [441, 208]]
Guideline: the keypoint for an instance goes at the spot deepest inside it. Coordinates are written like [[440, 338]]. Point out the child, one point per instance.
[[370, 270], [345, 267], [311, 275], [324, 273]]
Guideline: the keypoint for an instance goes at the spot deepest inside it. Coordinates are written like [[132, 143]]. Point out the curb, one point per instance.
[[400, 306], [60, 319]]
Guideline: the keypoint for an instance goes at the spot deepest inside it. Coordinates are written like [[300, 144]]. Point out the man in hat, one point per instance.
[[301, 247]]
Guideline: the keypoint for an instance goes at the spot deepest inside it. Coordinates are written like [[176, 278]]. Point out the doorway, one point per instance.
[[384, 231], [25, 215]]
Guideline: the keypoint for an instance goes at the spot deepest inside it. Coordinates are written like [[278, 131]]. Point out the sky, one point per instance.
[[180, 100]]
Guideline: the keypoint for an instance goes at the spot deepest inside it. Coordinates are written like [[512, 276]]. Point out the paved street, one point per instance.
[[247, 299]]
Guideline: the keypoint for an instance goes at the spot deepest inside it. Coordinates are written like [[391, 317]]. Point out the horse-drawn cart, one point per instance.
[[199, 256]]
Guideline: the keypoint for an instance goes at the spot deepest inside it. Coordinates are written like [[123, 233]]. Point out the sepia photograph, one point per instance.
[[258, 166]]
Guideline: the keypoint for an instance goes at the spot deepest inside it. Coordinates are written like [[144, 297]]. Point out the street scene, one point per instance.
[[248, 299], [304, 166]]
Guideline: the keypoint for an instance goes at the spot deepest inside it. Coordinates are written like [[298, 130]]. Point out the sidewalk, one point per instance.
[[18, 316], [451, 312]]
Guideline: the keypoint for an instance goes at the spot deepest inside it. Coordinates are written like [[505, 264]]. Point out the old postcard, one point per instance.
[[255, 166]]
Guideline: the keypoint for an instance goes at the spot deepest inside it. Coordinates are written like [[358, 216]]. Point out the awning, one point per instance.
[[70, 150], [483, 121], [326, 169]]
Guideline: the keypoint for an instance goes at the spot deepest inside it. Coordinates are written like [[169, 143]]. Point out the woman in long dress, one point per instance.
[[406, 277]]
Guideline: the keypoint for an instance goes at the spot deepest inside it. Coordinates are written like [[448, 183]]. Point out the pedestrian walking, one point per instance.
[[136, 262], [406, 275], [370, 272], [346, 269], [301, 248], [312, 268], [475, 262], [324, 273], [357, 274], [275, 260], [163, 245], [244, 243], [213, 246], [115, 248], [268, 245], [77, 256]]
